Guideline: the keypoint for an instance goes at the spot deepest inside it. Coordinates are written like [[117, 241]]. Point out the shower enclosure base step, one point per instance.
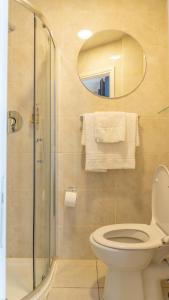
[[20, 277]]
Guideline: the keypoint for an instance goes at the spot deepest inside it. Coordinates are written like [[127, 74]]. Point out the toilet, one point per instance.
[[127, 249]]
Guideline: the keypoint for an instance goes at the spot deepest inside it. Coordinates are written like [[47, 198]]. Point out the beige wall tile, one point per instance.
[[74, 242], [118, 195], [20, 170], [70, 135], [153, 131], [133, 207], [128, 191], [19, 223], [94, 208]]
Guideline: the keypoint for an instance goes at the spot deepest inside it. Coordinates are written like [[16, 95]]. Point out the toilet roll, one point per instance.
[[70, 199]]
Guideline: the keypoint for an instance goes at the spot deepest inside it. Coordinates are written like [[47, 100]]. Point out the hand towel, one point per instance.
[[86, 127], [110, 127], [102, 156]]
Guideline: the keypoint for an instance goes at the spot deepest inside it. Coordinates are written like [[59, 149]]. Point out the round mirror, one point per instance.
[[111, 64]]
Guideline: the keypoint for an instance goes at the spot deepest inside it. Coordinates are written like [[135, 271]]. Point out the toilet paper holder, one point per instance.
[[70, 197], [71, 189]]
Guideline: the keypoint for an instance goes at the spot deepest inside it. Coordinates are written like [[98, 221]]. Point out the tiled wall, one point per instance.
[[117, 196]]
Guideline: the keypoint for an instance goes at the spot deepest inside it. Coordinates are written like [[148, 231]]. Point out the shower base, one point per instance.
[[19, 277]]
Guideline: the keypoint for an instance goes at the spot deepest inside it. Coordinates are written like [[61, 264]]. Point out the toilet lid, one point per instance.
[[160, 198]]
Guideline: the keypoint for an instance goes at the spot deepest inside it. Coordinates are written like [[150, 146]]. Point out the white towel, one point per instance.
[[110, 127], [102, 157], [86, 138]]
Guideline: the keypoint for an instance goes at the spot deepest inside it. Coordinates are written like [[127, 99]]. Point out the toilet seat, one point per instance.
[[141, 236], [128, 249], [138, 236]]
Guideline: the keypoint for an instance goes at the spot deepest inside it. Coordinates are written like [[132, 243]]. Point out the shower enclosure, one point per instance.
[[31, 148]]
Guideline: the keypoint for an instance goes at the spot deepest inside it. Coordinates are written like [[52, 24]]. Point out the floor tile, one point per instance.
[[101, 293], [102, 270], [73, 294], [75, 273]]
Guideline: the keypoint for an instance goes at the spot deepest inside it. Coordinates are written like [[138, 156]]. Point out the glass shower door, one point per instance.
[[42, 152]]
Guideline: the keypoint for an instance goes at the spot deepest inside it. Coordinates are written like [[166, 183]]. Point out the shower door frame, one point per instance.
[[35, 156], [3, 135], [38, 15]]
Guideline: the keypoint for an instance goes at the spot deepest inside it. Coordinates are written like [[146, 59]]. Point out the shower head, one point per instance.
[[11, 27]]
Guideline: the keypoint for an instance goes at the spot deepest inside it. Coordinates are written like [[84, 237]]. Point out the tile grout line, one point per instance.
[[74, 287], [97, 272], [96, 287]]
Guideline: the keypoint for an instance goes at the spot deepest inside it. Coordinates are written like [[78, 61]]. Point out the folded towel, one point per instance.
[[110, 127], [87, 138], [101, 156]]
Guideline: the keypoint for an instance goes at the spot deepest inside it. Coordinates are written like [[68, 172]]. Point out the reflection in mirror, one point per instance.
[[111, 64]]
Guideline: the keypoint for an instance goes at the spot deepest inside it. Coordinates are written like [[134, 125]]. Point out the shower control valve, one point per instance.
[[39, 140]]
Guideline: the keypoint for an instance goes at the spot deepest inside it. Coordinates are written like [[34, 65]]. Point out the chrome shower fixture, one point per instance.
[[14, 121]]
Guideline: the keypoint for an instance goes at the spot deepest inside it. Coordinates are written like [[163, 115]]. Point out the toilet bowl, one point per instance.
[[127, 249]]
